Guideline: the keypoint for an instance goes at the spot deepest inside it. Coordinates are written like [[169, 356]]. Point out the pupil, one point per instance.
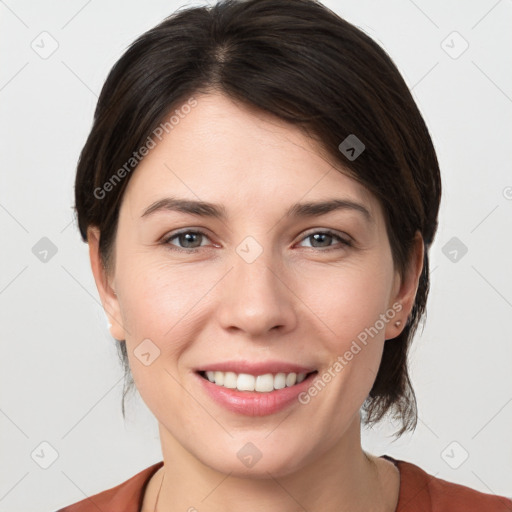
[[188, 238], [321, 235]]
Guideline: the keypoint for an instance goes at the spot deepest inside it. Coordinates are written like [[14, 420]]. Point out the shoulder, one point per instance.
[[125, 497], [423, 492]]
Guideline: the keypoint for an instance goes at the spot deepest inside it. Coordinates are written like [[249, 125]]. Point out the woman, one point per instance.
[[259, 193]]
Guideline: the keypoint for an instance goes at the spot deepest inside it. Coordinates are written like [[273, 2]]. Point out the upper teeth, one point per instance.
[[246, 382]]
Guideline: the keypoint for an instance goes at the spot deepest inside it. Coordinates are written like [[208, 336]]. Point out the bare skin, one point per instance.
[[387, 483], [302, 300]]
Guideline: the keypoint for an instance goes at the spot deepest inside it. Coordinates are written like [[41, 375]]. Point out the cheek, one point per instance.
[[160, 298], [346, 299], [159, 311], [168, 305], [347, 302]]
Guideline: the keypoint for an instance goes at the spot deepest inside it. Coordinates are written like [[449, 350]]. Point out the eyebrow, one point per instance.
[[206, 209]]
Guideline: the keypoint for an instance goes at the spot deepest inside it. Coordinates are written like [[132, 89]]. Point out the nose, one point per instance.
[[257, 297]]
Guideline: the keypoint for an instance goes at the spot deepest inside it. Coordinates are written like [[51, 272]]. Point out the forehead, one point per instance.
[[225, 152]]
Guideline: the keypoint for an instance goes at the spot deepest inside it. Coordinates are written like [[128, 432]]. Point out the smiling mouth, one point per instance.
[[260, 383]]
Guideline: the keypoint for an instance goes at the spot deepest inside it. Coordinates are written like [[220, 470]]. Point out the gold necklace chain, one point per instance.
[[158, 495]]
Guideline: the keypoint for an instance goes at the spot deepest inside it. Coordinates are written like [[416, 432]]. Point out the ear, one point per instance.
[[404, 291], [104, 284]]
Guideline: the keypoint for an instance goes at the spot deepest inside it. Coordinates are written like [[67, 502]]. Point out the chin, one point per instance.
[[253, 463], [260, 471]]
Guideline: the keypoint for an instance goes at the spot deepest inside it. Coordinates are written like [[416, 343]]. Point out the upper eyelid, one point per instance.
[[307, 234], [329, 231]]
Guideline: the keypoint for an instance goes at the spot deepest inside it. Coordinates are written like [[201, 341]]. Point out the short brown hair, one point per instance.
[[303, 63]]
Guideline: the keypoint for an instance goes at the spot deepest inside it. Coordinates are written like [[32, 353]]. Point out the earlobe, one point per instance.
[[406, 289], [108, 296]]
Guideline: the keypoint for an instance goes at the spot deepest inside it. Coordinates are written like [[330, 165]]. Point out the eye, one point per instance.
[[323, 238], [189, 238]]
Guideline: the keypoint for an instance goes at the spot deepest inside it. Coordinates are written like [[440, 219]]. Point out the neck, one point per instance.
[[344, 478]]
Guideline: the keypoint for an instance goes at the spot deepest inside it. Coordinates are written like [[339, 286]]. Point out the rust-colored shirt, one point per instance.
[[419, 492]]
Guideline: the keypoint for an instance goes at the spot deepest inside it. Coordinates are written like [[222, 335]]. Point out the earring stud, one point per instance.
[[398, 323]]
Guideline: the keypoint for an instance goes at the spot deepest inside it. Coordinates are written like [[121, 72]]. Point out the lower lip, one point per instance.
[[253, 403]]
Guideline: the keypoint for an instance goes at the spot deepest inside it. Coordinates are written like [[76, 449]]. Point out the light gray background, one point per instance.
[[61, 381]]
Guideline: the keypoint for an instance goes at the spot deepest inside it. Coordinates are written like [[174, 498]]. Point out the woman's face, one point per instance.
[[256, 286]]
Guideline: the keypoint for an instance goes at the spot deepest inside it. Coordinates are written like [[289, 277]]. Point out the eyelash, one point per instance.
[[166, 241]]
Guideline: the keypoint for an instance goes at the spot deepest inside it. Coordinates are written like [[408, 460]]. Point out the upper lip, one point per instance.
[[253, 368]]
